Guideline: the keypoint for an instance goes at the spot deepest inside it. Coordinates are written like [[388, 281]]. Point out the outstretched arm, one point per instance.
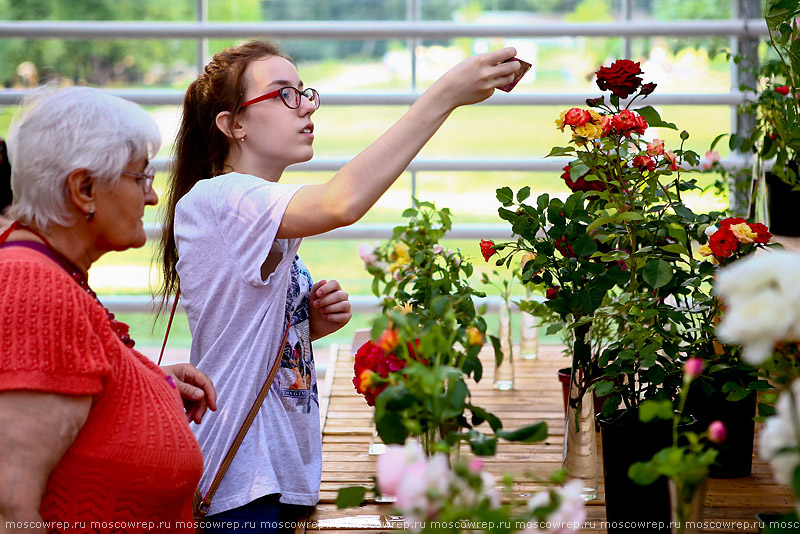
[[353, 190]]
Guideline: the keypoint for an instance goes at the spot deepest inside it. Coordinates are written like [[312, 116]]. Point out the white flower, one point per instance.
[[761, 294], [438, 249], [778, 434], [711, 230], [570, 514]]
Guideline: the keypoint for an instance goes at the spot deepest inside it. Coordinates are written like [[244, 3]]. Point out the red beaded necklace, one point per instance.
[[120, 329]]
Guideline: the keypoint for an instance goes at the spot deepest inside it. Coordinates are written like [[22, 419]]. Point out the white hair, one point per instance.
[[63, 130]]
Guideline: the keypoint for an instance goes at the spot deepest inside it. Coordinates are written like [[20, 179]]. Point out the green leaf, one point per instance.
[[494, 422], [643, 473], [505, 196], [657, 273], [654, 119], [350, 497], [391, 429], [655, 409], [523, 194], [481, 444], [560, 151], [527, 434], [584, 246]]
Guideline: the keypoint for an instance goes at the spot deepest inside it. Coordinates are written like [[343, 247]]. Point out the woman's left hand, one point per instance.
[[196, 389], [330, 308]]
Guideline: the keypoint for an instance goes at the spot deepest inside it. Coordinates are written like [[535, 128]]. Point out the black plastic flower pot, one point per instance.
[[735, 458], [782, 206], [629, 506]]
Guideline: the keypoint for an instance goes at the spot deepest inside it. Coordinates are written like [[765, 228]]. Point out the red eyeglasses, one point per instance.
[[290, 96]]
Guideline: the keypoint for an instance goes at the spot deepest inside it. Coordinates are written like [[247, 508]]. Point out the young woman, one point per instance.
[[232, 231]]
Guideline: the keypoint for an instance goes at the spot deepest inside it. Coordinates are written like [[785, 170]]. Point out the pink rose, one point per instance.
[[717, 433], [693, 368], [392, 466], [655, 148]]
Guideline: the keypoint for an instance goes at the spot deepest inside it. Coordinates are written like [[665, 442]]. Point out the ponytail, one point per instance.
[[200, 148]]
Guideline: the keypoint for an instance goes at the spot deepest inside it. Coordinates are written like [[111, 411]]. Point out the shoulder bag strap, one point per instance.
[[169, 324], [206, 503]]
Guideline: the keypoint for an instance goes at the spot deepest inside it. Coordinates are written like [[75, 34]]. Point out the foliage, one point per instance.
[[430, 335], [775, 134], [686, 465]]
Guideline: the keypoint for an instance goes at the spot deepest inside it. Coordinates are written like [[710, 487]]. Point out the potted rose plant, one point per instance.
[[629, 237], [425, 345], [774, 137]]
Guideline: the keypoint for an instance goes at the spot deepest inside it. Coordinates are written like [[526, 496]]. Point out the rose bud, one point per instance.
[[783, 89], [552, 292], [717, 433], [595, 102], [693, 368], [487, 249], [647, 89]]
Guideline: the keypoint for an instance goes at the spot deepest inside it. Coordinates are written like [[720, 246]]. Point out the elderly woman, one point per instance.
[[94, 435]]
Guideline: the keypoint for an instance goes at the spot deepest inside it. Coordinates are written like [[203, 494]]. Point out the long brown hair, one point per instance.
[[201, 148]]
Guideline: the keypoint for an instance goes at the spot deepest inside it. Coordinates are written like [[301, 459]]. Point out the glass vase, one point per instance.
[[504, 373], [759, 196], [529, 334], [580, 435], [686, 501]]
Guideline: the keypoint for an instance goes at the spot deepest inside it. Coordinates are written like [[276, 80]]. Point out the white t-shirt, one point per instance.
[[239, 286]]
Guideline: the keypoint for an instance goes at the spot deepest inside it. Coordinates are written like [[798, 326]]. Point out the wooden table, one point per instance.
[[730, 507]]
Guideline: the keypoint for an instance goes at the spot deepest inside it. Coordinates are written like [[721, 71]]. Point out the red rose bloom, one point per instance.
[[581, 184], [621, 78], [371, 357], [626, 122], [487, 249], [723, 243], [644, 162], [730, 221], [762, 233], [565, 249], [783, 89], [577, 117], [552, 292]]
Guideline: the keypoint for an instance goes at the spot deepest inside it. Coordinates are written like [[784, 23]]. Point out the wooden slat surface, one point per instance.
[[731, 505]]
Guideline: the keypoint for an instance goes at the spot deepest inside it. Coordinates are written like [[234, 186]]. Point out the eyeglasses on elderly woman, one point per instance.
[[145, 179]]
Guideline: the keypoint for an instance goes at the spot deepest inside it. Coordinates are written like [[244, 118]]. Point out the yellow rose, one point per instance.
[[705, 250], [588, 131], [560, 120], [405, 309], [597, 119], [528, 256], [474, 336], [744, 233]]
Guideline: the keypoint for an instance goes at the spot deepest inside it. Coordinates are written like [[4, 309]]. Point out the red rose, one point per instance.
[[605, 125], [577, 117], [565, 249], [762, 232], [621, 78], [723, 243], [582, 184], [552, 292], [487, 249], [626, 122], [644, 162], [647, 89], [730, 221], [783, 89]]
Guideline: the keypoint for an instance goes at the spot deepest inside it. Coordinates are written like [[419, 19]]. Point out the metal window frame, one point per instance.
[[740, 30]]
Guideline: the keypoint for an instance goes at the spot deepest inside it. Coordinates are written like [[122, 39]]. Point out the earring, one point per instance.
[[90, 216], [242, 138]]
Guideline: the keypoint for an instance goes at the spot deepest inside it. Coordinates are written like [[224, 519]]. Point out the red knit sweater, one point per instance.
[[135, 459]]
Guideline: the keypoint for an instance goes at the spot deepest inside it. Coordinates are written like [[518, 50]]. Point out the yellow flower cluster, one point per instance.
[[401, 257], [589, 130]]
